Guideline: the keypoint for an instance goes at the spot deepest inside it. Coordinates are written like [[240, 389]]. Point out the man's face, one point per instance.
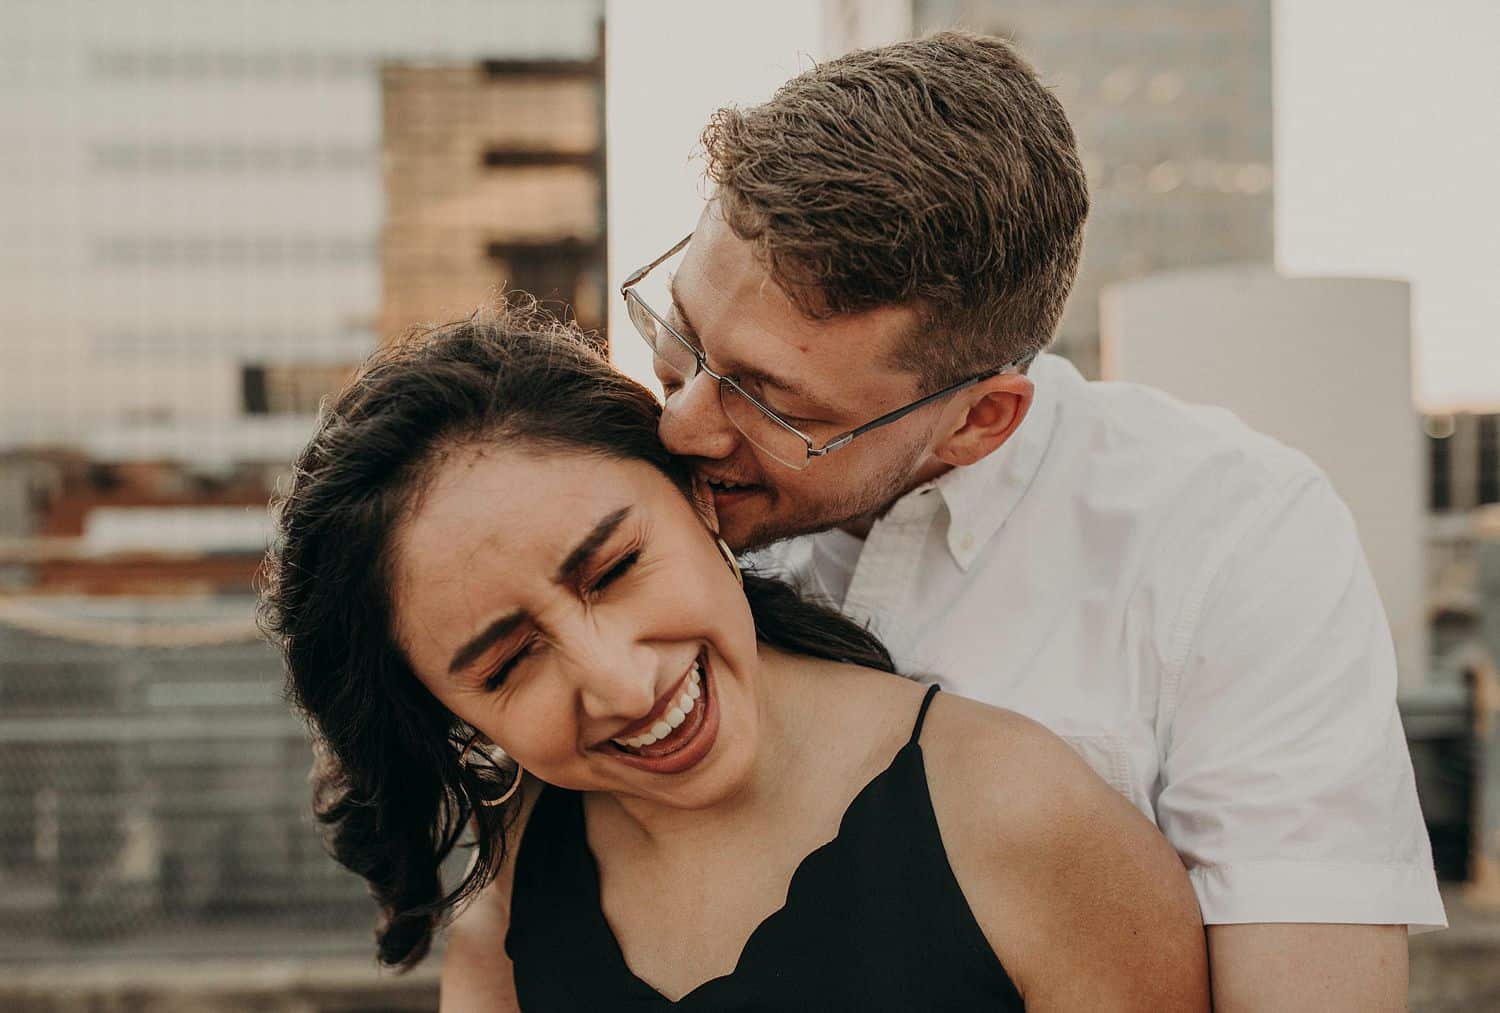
[[825, 377]]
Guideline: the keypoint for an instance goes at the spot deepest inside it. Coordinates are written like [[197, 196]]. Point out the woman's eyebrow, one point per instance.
[[481, 641], [567, 573]]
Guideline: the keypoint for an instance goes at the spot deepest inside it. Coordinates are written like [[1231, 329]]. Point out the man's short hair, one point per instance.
[[938, 173]]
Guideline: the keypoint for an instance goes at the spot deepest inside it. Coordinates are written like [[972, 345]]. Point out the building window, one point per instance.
[[562, 272], [290, 389], [233, 157], [171, 65], [253, 390], [1489, 458], [527, 158], [233, 251], [1441, 457]]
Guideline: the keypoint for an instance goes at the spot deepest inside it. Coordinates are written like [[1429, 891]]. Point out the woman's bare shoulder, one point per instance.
[[1045, 851], [999, 755], [1007, 785]]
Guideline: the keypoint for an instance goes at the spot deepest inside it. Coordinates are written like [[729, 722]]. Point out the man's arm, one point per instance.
[[1286, 784], [1289, 968], [476, 970], [477, 974]]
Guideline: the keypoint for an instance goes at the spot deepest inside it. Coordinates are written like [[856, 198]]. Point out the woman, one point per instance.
[[729, 802]]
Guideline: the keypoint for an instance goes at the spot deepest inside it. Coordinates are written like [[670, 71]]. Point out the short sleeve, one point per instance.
[[1286, 784]]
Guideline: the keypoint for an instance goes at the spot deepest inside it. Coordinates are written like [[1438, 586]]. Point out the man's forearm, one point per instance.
[[1290, 968]]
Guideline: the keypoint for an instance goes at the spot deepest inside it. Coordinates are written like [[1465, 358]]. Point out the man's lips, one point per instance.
[[729, 487]]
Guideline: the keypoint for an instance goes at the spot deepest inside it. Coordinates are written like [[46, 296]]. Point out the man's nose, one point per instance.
[[693, 423]]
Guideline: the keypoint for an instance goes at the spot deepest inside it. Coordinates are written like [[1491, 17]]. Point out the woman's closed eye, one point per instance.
[[496, 678], [615, 572]]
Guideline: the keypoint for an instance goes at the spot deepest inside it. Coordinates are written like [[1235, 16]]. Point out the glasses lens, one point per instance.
[[674, 360], [768, 435]]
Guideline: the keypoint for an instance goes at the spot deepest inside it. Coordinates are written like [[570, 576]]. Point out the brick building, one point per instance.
[[494, 180]]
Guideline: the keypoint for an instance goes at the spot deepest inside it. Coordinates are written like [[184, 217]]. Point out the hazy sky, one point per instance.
[[1387, 161]]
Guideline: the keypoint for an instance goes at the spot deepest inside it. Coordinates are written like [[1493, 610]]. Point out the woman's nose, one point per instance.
[[609, 697], [693, 423], [616, 679]]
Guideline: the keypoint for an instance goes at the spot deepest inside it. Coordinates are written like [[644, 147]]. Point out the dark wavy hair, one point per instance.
[[388, 788]]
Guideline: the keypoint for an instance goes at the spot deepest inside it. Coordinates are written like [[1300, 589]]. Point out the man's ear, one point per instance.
[[703, 504], [984, 417]]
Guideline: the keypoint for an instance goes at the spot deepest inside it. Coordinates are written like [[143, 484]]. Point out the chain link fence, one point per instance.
[[155, 798]]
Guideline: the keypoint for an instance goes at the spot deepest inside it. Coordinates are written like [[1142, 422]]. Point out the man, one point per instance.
[[887, 253]]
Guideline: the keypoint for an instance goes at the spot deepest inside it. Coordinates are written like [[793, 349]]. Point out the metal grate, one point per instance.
[[157, 799]]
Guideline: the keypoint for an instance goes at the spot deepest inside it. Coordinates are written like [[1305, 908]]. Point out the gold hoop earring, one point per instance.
[[734, 564], [515, 785]]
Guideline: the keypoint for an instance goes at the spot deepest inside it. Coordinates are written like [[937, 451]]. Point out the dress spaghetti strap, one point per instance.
[[916, 732]]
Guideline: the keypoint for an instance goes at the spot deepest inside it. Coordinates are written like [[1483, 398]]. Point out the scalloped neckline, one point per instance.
[[812, 858]]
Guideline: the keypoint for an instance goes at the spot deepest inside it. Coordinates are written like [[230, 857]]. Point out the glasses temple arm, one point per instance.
[[899, 413], [637, 275]]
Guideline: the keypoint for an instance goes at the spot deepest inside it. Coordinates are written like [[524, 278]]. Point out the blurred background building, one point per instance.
[[212, 211], [494, 179], [1172, 110]]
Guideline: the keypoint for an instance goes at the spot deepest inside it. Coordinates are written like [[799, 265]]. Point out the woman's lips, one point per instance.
[[663, 704], [698, 734]]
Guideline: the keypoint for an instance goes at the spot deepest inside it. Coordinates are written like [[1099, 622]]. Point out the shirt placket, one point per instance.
[[885, 575]]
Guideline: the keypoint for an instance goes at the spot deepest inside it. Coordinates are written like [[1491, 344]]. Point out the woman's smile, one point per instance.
[[680, 730], [614, 642]]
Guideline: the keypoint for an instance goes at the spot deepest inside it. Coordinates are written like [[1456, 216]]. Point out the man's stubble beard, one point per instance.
[[872, 500]]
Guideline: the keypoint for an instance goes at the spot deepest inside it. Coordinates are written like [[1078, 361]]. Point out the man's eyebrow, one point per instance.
[[482, 641], [567, 573], [760, 376]]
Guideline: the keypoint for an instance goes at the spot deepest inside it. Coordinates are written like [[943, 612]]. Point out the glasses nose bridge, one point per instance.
[[700, 364], [696, 402]]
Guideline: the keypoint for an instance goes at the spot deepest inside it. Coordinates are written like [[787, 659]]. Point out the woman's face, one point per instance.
[[576, 611]]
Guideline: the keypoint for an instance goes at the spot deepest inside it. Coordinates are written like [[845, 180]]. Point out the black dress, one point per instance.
[[873, 920]]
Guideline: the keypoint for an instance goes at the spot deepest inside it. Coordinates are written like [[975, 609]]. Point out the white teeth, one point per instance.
[[675, 715]]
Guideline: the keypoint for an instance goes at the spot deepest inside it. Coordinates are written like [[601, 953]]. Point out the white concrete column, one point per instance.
[[1321, 364], [668, 65]]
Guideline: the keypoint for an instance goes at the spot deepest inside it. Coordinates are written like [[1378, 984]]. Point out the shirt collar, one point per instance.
[[981, 496]]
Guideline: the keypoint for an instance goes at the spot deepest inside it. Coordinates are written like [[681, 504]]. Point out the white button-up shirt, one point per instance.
[[1187, 604]]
